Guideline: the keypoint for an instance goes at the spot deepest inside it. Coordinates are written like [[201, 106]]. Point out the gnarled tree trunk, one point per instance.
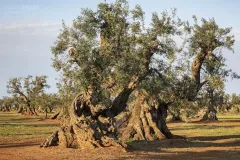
[[30, 111], [46, 112], [86, 126], [147, 122], [210, 115], [211, 112], [196, 68], [21, 110]]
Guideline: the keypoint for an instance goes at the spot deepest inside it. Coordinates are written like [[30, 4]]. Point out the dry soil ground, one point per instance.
[[20, 137]]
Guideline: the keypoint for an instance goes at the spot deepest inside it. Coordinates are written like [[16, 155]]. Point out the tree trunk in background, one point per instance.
[[161, 121], [30, 111], [176, 116], [21, 110], [211, 112], [50, 109], [6, 108], [46, 112], [196, 68]]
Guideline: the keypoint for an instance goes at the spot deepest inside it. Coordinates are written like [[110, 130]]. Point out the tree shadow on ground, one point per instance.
[[200, 127], [24, 134], [191, 148], [229, 120], [206, 155], [201, 141], [28, 125], [14, 145], [213, 138]]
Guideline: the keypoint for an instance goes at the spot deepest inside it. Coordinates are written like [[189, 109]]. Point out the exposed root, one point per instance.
[[89, 130], [210, 114], [56, 115], [51, 140]]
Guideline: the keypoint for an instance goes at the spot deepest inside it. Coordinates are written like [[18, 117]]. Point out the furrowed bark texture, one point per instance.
[[147, 122], [211, 112], [86, 127]]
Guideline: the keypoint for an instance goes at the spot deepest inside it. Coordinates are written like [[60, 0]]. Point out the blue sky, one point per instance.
[[29, 27]]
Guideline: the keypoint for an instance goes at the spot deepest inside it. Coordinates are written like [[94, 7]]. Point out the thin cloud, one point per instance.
[[14, 26], [31, 28]]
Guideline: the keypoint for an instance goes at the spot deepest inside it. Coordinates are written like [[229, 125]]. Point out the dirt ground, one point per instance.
[[204, 140]]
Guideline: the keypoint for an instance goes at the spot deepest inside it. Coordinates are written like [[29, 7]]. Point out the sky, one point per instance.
[[29, 27]]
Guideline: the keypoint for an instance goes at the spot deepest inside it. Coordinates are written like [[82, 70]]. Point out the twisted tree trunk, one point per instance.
[[30, 111], [211, 112], [21, 110], [196, 69], [86, 126], [46, 112], [147, 122]]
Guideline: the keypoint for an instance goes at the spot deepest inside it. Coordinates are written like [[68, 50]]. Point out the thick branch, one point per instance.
[[196, 67]]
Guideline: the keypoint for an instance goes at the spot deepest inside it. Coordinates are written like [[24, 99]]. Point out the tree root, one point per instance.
[[51, 140], [56, 115], [210, 115], [84, 128]]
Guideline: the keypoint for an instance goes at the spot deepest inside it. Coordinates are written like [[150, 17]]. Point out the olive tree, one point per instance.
[[28, 89], [206, 45], [108, 55]]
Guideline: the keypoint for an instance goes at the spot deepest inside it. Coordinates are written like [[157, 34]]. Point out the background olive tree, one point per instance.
[[28, 90]]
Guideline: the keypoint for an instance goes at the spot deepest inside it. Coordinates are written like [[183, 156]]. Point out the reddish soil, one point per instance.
[[192, 148]]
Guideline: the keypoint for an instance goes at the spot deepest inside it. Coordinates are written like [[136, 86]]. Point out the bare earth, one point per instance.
[[197, 146]]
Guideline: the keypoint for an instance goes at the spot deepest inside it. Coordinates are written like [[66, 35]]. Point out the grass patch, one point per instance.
[[227, 125], [18, 125]]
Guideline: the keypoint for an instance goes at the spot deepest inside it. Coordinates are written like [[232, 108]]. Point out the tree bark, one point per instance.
[[50, 109], [196, 68], [211, 112], [138, 127], [176, 115], [21, 110], [30, 111], [46, 112], [90, 129], [55, 116], [210, 115], [147, 122]]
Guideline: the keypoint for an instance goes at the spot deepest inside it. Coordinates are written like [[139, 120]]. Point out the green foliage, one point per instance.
[[209, 37], [47, 101], [235, 103], [15, 125], [106, 48], [27, 90], [6, 103]]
